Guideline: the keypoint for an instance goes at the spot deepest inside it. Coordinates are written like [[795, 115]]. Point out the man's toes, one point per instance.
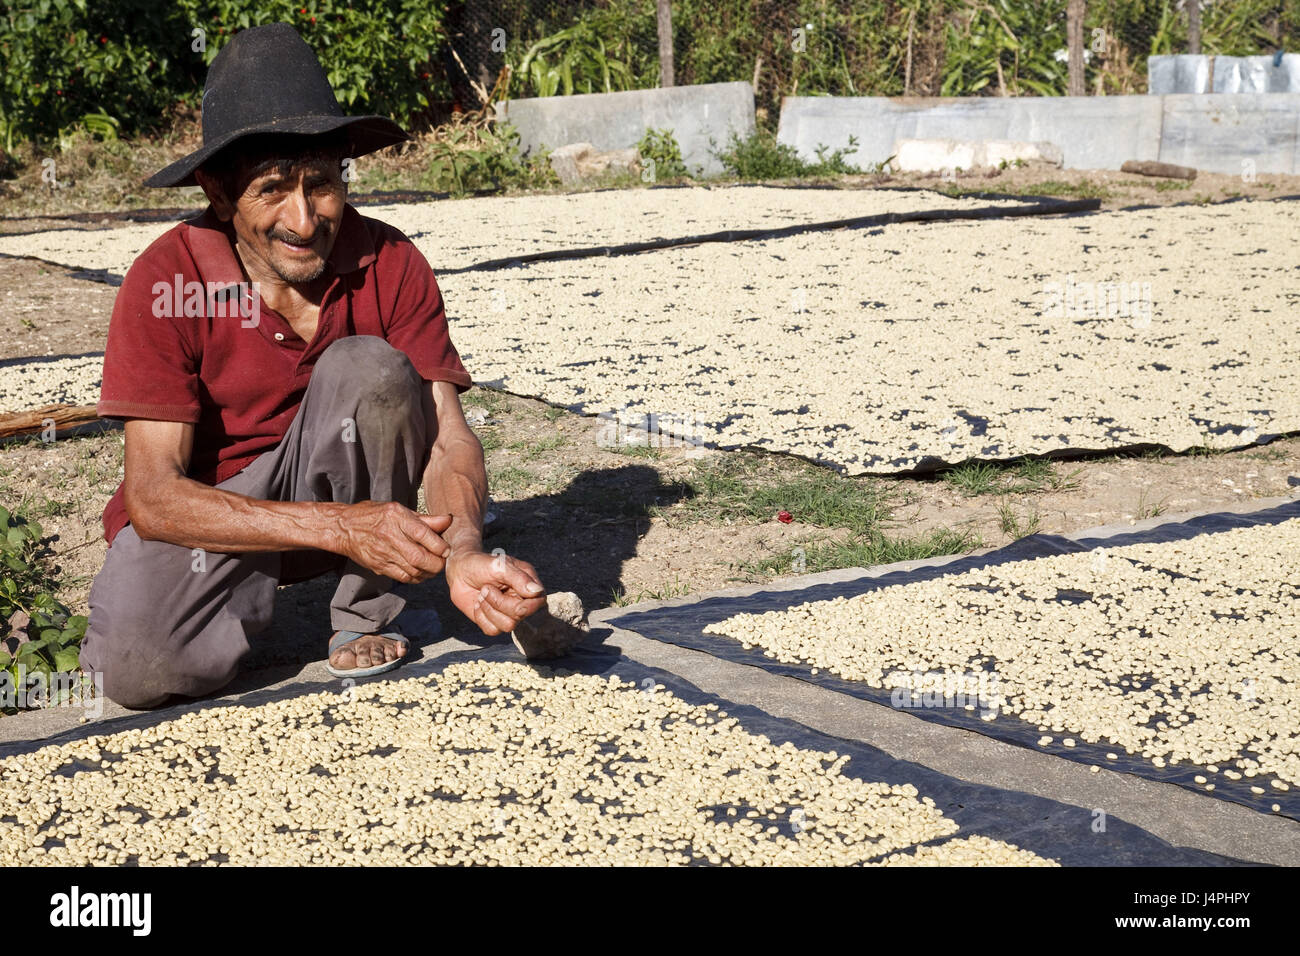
[[367, 653], [358, 656]]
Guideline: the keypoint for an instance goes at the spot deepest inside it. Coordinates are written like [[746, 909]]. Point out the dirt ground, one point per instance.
[[48, 312]]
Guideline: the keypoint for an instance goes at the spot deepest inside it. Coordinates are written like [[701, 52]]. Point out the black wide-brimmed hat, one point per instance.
[[268, 80]]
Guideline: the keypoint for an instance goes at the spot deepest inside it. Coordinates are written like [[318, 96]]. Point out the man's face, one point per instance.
[[287, 218]]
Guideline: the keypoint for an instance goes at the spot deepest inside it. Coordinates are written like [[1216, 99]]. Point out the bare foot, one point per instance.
[[369, 651]]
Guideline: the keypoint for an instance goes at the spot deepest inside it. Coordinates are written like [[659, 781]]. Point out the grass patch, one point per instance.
[[42, 506], [552, 413], [510, 481], [1054, 187], [864, 552], [36, 505], [675, 588], [1267, 454], [648, 451], [536, 449], [974, 478], [1051, 187], [1011, 523], [1028, 476], [491, 401], [1147, 510], [748, 488], [1205, 449], [736, 488], [1147, 454], [490, 441], [99, 461]]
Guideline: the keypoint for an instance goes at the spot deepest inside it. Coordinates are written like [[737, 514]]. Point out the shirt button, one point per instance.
[[279, 336]]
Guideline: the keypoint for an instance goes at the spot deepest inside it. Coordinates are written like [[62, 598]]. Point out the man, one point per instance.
[[287, 380]]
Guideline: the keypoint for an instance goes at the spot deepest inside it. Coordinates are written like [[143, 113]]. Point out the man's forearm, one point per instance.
[[455, 483], [191, 514]]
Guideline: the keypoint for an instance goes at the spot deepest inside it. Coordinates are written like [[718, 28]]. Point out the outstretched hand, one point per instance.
[[494, 591]]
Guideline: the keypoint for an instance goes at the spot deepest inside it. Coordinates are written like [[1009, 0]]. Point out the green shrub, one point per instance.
[[379, 54], [659, 146], [64, 61], [1006, 47], [466, 158], [36, 631], [760, 156], [600, 51], [577, 59]]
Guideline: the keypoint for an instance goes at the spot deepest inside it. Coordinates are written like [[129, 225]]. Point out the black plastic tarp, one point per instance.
[[1066, 833], [684, 626]]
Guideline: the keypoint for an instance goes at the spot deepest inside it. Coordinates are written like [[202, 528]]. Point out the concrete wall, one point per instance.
[[1199, 73], [619, 120], [1223, 133], [1215, 133]]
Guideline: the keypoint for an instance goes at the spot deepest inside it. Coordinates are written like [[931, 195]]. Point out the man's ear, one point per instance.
[[222, 206]]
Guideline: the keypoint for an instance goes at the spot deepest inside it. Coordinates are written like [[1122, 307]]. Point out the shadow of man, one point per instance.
[[577, 538]]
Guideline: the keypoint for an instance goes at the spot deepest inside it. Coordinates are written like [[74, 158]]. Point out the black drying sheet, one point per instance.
[[1068, 834], [684, 626]]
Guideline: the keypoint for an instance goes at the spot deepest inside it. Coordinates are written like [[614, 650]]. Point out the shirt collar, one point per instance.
[[212, 243]]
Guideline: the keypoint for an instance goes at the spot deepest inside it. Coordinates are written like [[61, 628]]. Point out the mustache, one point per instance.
[[297, 240]]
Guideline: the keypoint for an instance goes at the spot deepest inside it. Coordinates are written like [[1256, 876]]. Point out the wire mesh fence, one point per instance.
[[847, 47]]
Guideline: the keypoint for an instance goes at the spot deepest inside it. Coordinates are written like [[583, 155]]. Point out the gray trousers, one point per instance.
[[167, 620]]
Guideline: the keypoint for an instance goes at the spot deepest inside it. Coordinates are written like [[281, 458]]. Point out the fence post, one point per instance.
[[664, 20], [1074, 43], [1194, 26]]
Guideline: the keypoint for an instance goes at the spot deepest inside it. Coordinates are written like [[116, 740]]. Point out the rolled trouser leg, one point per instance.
[[363, 433], [167, 620]]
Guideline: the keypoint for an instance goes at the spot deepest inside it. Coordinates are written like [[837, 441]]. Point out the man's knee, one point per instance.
[[382, 374], [160, 626], [142, 667], [143, 685]]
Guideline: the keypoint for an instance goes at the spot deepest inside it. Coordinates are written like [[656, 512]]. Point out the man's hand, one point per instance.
[[392, 540], [494, 591]]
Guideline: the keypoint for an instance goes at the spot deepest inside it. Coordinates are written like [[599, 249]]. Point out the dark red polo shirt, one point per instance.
[[181, 352]]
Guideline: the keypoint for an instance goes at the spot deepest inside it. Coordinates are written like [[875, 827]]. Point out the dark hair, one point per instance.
[[241, 162]]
